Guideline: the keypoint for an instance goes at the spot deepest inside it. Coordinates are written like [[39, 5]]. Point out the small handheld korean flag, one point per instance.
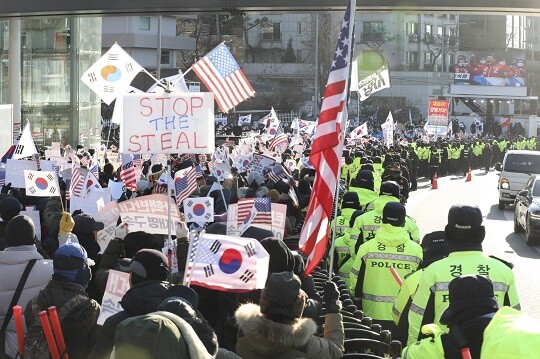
[[199, 210], [41, 183], [25, 147], [112, 74], [226, 263]]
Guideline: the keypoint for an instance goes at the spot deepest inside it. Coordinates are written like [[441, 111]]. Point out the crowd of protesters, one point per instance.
[[291, 317]]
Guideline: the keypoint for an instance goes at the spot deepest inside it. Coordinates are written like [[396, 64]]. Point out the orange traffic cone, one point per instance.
[[469, 178], [434, 182]]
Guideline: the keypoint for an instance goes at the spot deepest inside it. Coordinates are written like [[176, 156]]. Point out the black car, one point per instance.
[[527, 211]]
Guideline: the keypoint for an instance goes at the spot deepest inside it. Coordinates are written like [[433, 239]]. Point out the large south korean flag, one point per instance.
[[41, 183]]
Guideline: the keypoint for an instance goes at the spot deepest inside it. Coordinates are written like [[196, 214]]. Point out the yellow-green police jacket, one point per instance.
[[365, 196], [342, 221], [433, 286], [366, 225], [371, 279], [345, 253], [406, 293]]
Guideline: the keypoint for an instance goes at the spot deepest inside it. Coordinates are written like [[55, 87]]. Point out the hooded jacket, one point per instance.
[[260, 337], [13, 261], [370, 277], [79, 325], [141, 299]]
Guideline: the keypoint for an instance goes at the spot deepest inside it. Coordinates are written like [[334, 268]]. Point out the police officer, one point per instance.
[[434, 247], [472, 306], [464, 233], [367, 224], [349, 204], [371, 280], [363, 185], [466, 158], [345, 251], [394, 174]]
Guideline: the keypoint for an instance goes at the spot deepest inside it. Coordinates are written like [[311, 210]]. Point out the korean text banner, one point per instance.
[[148, 214], [168, 123]]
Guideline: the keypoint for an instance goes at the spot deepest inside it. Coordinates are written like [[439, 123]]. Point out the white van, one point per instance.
[[517, 167]]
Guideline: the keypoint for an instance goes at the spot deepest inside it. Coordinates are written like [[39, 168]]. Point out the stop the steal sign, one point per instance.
[[168, 123]]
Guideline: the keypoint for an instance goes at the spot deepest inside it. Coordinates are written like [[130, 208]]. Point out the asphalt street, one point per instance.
[[429, 207]]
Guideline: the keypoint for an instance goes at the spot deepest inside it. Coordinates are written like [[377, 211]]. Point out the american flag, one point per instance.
[[68, 188], [221, 74], [254, 211], [137, 160], [185, 185], [77, 181], [2, 177], [326, 149], [191, 259], [279, 141], [127, 172], [277, 173]]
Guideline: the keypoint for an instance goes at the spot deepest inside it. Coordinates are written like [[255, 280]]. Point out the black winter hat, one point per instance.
[[20, 231], [86, 224], [464, 225], [281, 257], [365, 178], [389, 188], [435, 247], [10, 207], [135, 241], [148, 264], [283, 298], [181, 292], [469, 292], [350, 200], [394, 213]]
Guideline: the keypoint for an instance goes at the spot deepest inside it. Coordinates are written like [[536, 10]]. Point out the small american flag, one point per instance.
[[127, 172], [280, 141], [137, 160], [255, 211], [277, 173], [185, 185], [68, 188], [77, 181], [220, 73], [191, 258], [2, 176]]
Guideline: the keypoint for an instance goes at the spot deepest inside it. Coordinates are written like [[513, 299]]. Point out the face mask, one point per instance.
[[482, 61], [520, 64], [461, 63]]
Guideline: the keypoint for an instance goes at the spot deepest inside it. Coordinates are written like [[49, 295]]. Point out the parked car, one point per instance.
[[516, 168], [527, 211]]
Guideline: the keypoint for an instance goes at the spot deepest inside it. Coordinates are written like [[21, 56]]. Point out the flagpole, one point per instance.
[[344, 114], [169, 230]]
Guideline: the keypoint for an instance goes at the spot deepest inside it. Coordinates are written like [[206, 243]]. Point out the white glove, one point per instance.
[[121, 231], [181, 230]]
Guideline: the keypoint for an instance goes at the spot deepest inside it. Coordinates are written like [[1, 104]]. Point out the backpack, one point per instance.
[[35, 343]]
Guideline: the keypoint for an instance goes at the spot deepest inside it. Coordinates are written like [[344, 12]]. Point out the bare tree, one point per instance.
[[376, 38], [437, 44]]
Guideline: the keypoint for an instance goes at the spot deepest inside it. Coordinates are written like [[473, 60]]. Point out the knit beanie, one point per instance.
[[10, 207], [281, 257], [20, 231], [283, 300]]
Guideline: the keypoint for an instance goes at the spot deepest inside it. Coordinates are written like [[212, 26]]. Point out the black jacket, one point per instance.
[[143, 298], [79, 325]]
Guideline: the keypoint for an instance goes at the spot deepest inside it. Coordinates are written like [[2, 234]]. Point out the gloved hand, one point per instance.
[[121, 231], [66, 223], [332, 304], [182, 230]]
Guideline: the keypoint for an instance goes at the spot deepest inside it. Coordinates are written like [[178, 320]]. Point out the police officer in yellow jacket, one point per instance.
[[349, 204], [434, 247], [367, 224], [464, 233], [345, 251], [371, 280], [363, 185], [471, 309]]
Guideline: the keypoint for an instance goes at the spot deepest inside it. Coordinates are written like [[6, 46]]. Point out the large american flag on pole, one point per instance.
[[326, 149], [220, 73]]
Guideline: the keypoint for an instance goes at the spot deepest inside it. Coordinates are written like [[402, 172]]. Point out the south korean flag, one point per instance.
[[41, 183], [199, 210]]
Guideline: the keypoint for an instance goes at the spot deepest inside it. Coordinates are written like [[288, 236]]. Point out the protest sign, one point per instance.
[[149, 214], [279, 214], [168, 123], [259, 162], [89, 204], [117, 188], [117, 286], [15, 171], [107, 215]]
